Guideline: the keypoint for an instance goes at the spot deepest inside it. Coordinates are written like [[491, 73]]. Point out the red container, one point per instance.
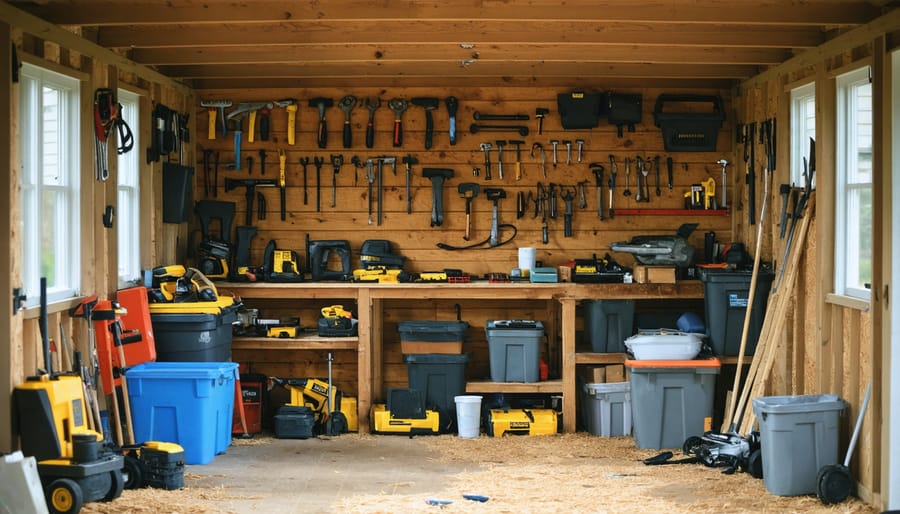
[[253, 388], [138, 344]]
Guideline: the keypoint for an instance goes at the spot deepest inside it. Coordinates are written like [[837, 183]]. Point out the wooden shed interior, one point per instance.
[[501, 57]]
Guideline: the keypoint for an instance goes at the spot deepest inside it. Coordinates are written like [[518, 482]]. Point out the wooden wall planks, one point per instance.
[[412, 234]]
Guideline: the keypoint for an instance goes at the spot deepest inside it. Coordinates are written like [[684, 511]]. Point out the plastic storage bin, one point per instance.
[[671, 400], [607, 323], [442, 378], [432, 336], [606, 409], [726, 294], [194, 337], [797, 436], [188, 403], [514, 349]]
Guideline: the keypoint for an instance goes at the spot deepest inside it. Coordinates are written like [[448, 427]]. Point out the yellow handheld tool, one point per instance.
[[336, 311], [709, 194]]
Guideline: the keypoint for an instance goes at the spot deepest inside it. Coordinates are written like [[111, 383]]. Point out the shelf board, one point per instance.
[[600, 358], [311, 342], [672, 212], [546, 386]]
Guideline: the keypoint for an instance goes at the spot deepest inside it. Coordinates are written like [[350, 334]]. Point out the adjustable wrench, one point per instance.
[[372, 104]]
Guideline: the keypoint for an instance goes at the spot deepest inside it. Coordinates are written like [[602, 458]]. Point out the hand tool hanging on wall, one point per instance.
[[582, 198], [163, 133], [236, 118], [476, 128], [750, 177], [304, 161], [290, 106], [370, 178], [555, 144], [357, 165], [551, 196], [499, 117], [262, 161], [597, 169], [787, 194], [321, 104], [318, 162], [540, 113], [500, 144], [645, 174], [409, 160], [494, 195], [540, 148], [250, 184], [580, 143], [486, 148], [452, 104], [612, 187], [568, 197], [669, 173], [336, 162], [437, 177], [518, 144], [639, 174], [372, 104], [249, 165], [282, 163], [381, 162], [541, 204], [429, 104], [216, 175], [261, 206], [212, 108], [207, 165], [656, 168], [568, 151], [264, 113], [468, 190], [347, 104], [627, 191], [722, 162], [398, 105]]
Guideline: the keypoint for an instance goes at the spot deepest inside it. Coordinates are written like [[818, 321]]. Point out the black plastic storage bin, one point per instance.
[[607, 323], [194, 337], [726, 295], [432, 336], [441, 377]]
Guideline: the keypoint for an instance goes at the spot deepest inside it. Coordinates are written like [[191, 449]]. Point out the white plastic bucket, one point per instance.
[[468, 415]]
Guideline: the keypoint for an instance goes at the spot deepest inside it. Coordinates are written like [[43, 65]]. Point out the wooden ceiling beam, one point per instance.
[[114, 12], [254, 54], [496, 69], [459, 32], [442, 83]]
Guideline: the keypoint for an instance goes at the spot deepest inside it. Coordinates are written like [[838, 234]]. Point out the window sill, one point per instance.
[[848, 301], [34, 312]]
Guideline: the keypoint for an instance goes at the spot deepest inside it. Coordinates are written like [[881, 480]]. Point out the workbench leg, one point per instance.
[[364, 359], [377, 310], [568, 364]]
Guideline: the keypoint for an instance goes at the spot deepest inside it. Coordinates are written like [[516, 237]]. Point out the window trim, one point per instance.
[[33, 78], [133, 207], [842, 82]]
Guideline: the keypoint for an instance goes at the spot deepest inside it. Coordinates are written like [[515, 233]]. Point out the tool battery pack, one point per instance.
[[522, 422], [385, 423], [160, 465]]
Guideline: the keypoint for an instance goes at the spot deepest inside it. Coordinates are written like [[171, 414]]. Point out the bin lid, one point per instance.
[[215, 307], [798, 403], [741, 276], [677, 364], [609, 387], [183, 370], [430, 327], [436, 358]]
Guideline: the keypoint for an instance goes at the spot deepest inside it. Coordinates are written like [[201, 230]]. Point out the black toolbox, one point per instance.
[[689, 130]]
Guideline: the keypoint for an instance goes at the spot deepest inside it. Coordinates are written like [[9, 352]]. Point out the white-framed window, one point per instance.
[[853, 184], [51, 164], [128, 219], [803, 127]]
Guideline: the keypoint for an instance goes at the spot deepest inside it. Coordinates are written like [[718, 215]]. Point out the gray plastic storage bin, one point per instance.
[[606, 409], [797, 435], [671, 400], [607, 323], [514, 348], [726, 295]]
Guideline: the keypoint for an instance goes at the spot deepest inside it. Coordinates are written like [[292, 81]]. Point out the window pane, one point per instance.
[[129, 208], [803, 127]]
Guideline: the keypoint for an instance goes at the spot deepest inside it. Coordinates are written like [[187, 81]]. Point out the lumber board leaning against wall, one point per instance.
[[412, 234]]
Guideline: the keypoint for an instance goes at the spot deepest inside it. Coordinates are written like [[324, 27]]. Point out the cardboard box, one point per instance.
[[564, 273], [654, 274], [615, 373], [593, 374]]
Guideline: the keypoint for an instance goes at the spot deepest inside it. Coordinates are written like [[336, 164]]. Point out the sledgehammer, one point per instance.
[[437, 176], [429, 104]]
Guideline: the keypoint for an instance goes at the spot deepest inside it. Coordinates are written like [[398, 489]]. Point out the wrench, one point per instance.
[[540, 148], [347, 104], [639, 173], [304, 161], [398, 105], [656, 165], [645, 171], [372, 104], [627, 191]]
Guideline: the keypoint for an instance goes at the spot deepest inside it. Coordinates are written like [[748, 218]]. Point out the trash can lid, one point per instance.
[[798, 403]]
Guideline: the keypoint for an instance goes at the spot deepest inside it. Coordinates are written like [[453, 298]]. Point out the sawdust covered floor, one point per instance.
[[571, 473]]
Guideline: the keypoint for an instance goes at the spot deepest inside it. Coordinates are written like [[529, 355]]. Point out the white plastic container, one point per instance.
[[468, 416], [607, 408], [664, 345]]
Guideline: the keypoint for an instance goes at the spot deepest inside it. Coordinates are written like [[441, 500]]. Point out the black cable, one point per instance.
[[444, 246]]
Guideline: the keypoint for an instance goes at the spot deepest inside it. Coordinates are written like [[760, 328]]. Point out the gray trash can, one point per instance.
[[797, 435]]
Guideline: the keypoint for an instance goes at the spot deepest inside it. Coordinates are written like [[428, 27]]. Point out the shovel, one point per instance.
[[468, 190], [834, 483]]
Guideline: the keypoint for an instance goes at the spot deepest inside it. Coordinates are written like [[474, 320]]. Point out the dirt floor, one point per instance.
[[570, 473]]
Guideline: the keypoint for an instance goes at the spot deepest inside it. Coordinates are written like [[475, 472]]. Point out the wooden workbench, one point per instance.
[[561, 301]]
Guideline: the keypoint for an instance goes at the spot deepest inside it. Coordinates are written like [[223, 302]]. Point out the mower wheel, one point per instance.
[[134, 478], [64, 496], [116, 485], [754, 464], [691, 445]]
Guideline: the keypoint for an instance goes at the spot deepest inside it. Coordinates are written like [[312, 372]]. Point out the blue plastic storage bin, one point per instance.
[[189, 403]]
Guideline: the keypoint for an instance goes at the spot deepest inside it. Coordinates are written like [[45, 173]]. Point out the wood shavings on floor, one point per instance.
[[583, 473]]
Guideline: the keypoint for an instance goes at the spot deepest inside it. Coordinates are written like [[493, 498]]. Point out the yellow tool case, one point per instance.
[[522, 422], [385, 423]]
